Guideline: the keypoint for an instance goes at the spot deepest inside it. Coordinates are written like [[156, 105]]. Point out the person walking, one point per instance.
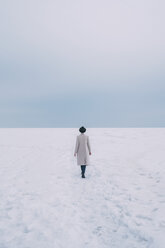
[[83, 150]]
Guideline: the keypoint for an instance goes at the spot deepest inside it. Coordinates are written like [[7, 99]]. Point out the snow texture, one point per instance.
[[44, 202]]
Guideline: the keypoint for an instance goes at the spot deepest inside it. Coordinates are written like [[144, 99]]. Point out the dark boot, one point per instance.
[[83, 170], [83, 176]]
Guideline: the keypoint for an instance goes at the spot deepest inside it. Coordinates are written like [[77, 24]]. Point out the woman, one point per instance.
[[82, 149]]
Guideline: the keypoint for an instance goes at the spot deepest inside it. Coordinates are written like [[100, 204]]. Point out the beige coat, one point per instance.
[[82, 149]]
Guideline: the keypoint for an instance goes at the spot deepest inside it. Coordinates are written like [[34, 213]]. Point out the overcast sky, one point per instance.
[[97, 63]]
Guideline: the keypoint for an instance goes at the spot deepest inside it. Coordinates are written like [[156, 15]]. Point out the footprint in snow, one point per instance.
[[143, 217], [162, 224], [98, 230]]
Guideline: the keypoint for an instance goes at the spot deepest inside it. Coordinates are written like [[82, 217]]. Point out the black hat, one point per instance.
[[82, 129]]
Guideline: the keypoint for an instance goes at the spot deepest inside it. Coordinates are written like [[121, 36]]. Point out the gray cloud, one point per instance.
[[105, 58]]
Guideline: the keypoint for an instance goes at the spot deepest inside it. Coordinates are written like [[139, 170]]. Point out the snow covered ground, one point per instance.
[[44, 203]]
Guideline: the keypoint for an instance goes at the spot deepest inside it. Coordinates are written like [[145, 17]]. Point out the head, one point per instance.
[[82, 129]]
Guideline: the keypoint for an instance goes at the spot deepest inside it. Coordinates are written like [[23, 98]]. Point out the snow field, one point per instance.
[[44, 203]]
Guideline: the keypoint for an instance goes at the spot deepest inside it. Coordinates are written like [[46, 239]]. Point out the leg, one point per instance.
[[83, 170]]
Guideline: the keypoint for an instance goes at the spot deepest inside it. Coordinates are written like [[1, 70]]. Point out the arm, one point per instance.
[[76, 146], [88, 144]]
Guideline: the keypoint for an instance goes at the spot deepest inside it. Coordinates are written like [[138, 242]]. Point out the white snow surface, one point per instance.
[[44, 202]]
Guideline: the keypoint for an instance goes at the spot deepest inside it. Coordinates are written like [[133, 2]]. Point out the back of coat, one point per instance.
[[82, 149]]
